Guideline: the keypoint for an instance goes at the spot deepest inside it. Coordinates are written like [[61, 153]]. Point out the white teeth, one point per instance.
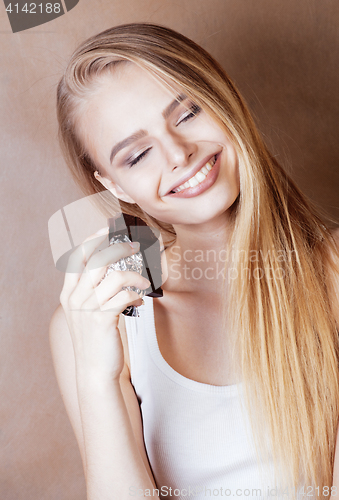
[[198, 177], [193, 182]]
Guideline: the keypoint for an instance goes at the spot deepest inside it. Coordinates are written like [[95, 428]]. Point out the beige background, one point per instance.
[[283, 55]]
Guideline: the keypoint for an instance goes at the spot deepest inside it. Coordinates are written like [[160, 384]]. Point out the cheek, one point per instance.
[[211, 132], [142, 188], [144, 179]]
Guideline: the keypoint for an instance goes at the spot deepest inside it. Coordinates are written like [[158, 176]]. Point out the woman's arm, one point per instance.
[[108, 419], [90, 381]]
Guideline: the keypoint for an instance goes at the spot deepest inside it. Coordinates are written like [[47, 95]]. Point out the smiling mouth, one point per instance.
[[199, 177]]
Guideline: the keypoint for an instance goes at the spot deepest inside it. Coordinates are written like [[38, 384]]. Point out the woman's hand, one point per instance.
[[92, 304]]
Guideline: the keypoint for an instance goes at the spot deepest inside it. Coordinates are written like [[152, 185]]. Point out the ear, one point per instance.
[[114, 188]]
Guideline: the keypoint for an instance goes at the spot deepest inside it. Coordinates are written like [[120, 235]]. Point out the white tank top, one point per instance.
[[197, 436]]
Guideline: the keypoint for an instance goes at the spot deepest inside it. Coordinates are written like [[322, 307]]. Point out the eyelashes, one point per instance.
[[194, 110], [138, 158], [190, 113]]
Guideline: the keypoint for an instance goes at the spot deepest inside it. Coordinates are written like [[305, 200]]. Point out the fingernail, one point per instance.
[[103, 231], [135, 245]]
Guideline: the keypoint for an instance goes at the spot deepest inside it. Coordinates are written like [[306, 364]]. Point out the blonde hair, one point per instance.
[[285, 328]]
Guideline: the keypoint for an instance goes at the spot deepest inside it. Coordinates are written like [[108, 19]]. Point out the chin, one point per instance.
[[202, 216], [195, 210]]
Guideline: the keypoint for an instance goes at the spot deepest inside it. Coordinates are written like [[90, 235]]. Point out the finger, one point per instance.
[[122, 300], [84, 251], [97, 266], [115, 281], [112, 285], [112, 253], [96, 242], [78, 259]]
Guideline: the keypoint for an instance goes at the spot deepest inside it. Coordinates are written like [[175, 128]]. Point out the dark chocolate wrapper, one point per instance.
[[147, 261]]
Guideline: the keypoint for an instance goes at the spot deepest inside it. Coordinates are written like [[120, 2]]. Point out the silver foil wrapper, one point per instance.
[[132, 263]]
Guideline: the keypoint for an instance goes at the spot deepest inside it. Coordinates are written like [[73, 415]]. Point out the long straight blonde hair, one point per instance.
[[283, 253]]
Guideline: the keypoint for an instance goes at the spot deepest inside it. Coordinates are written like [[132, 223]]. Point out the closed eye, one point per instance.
[[138, 158], [192, 111]]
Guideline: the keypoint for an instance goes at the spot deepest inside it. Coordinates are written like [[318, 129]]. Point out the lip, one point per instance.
[[192, 173], [202, 186]]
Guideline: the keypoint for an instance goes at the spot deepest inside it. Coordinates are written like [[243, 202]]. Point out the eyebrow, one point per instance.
[[126, 142], [174, 104], [142, 133]]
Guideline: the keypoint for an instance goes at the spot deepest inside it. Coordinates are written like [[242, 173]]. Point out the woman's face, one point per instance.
[[148, 141]]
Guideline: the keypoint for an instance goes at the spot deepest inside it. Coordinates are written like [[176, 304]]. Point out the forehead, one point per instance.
[[126, 88]]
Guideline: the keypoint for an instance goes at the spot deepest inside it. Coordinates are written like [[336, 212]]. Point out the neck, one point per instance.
[[196, 260]]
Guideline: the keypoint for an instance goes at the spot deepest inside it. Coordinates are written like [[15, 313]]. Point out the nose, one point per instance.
[[178, 149]]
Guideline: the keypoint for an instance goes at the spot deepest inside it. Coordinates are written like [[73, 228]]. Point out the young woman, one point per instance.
[[249, 312]]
